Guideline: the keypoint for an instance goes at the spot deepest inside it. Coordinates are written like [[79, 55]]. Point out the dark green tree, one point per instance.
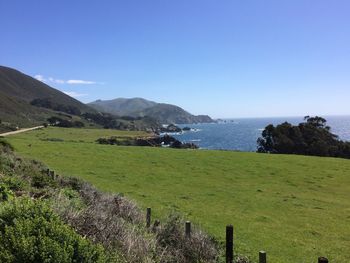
[[311, 137]]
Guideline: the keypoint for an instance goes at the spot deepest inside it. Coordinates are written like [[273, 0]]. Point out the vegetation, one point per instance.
[[59, 122], [163, 113], [18, 90], [152, 141], [109, 121], [294, 207], [31, 232], [312, 137], [122, 106], [46, 217], [50, 103], [6, 127], [27, 102]]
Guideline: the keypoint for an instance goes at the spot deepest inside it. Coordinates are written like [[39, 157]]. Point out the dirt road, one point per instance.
[[21, 130]]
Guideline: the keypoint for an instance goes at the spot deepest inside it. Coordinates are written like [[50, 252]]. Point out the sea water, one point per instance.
[[242, 134]]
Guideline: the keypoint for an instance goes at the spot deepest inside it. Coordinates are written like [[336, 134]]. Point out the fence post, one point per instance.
[[148, 217], [188, 229], [229, 244], [48, 172], [322, 260], [262, 257], [52, 174]]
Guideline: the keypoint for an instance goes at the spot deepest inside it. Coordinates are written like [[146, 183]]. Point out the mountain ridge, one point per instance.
[[17, 93], [140, 107]]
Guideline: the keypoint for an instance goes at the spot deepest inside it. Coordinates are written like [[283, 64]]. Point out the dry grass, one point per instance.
[[118, 224]]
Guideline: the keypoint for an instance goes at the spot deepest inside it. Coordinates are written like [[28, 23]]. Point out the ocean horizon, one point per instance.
[[241, 134]]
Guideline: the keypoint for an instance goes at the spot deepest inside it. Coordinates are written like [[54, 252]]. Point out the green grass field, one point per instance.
[[296, 208]]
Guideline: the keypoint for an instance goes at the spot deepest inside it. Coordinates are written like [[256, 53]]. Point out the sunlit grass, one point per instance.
[[296, 208]]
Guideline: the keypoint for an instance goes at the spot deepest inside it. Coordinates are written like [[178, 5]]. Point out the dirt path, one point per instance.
[[21, 130]]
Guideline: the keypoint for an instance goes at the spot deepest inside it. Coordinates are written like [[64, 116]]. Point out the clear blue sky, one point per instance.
[[224, 58]]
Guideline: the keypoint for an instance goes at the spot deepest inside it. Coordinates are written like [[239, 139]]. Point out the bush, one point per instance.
[[5, 192], [198, 248], [15, 183], [42, 180], [6, 145], [31, 232]]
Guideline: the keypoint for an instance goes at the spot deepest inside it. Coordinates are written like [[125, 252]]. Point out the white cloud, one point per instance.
[[61, 81], [75, 94], [79, 81], [40, 78], [58, 81]]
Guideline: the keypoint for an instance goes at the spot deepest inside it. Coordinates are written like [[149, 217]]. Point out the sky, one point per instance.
[[225, 58]]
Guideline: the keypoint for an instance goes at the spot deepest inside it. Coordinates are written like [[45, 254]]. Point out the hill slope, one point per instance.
[[167, 113], [138, 107], [295, 207], [17, 92], [122, 106]]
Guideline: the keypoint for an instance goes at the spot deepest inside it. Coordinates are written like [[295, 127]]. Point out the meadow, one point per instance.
[[295, 207]]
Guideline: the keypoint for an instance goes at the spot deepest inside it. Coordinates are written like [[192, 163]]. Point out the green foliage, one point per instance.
[[154, 141], [14, 183], [5, 192], [51, 104], [31, 232], [59, 122], [311, 137], [41, 180], [109, 121]]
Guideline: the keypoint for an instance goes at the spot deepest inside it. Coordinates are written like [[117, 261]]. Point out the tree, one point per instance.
[[311, 137]]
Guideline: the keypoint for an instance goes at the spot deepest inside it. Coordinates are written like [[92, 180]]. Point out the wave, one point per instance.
[[195, 140]]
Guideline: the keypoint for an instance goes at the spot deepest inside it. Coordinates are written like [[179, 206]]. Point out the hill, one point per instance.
[[122, 106], [47, 217], [20, 95], [26, 102], [138, 107], [167, 113], [294, 207]]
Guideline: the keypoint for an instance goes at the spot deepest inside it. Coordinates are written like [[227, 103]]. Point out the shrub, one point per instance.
[[114, 222], [14, 183], [42, 180], [179, 248], [31, 232], [5, 192]]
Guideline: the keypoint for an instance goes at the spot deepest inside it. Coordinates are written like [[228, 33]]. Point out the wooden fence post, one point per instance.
[[322, 260], [229, 244], [148, 217], [188, 229], [262, 257]]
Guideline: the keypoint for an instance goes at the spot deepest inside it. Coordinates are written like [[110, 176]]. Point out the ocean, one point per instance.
[[242, 134]]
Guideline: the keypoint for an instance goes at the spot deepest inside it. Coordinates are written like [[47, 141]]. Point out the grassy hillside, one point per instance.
[[47, 217], [18, 90], [296, 208], [21, 86]]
